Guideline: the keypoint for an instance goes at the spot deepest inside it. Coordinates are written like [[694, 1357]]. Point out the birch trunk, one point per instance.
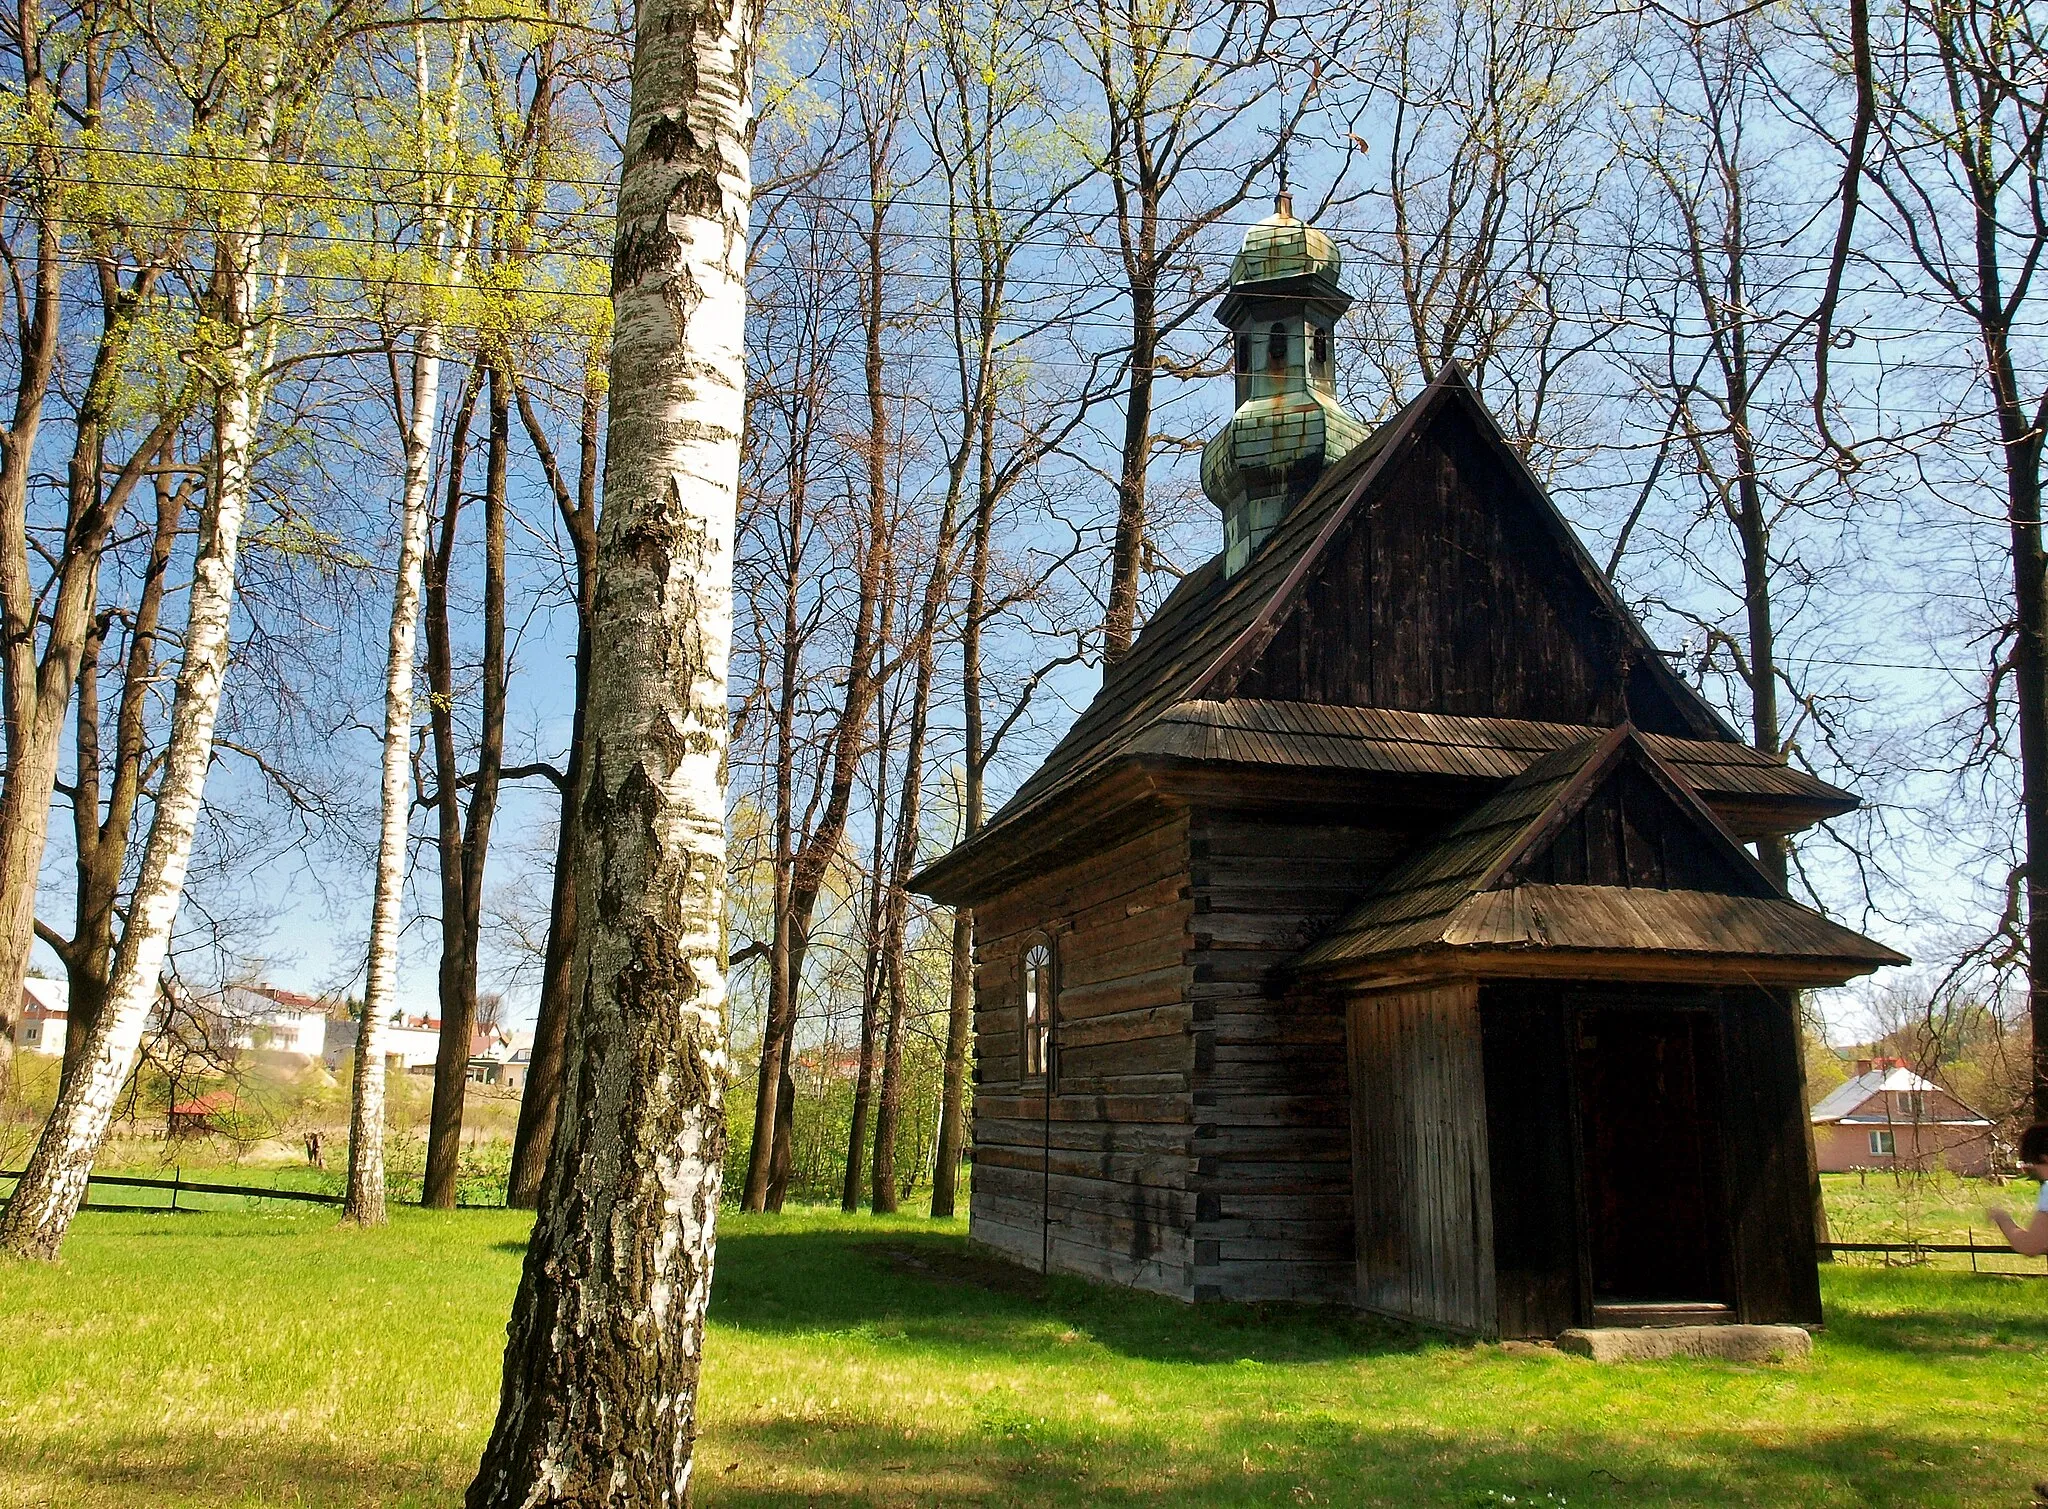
[[53, 1186], [365, 1200], [602, 1361]]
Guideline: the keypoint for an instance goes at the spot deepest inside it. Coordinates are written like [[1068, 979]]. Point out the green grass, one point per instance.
[[277, 1359], [1885, 1207]]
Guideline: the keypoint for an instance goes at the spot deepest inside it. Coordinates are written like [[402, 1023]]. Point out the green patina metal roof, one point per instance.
[[1281, 247], [1289, 425], [1272, 434]]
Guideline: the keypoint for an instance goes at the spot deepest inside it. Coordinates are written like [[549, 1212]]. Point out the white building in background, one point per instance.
[[501, 1059], [410, 1043], [264, 1017], [45, 1013]]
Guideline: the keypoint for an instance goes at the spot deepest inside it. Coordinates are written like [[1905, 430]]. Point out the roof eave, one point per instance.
[[1485, 961], [1123, 793]]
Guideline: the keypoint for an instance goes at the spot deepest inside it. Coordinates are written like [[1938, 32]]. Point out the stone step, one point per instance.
[[1716, 1343]]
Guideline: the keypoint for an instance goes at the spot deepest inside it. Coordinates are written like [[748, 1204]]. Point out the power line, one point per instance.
[[816, 270], [1021, 208]]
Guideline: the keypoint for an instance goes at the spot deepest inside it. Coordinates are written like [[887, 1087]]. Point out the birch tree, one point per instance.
[[268, 66], [601, 1366], [445, 228]]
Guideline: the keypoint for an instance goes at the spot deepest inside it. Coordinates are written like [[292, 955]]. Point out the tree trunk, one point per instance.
[[909, 828], [101, 834], [540, 1100], [31, 747], [465, 844], [457, 972], [882, 1195], [54, 1184], [2021, 435], [776, 1019], [768, 1156], [1127, 553], [602, 1361], [973, 760], [953, 1092], [872, 983], [419, 411], [364, 1203]]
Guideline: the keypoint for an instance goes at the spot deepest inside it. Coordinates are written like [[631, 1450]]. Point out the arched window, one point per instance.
[[1038, 1008], [1244, 354], [1322, 358], [1276, 346]]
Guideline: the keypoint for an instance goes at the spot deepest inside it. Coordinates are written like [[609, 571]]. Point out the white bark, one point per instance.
[[54, 1184], [601, 1367], [366, 1194], [365, 1202]]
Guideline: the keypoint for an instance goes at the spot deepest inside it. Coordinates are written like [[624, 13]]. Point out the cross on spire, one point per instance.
[[1283, 139]]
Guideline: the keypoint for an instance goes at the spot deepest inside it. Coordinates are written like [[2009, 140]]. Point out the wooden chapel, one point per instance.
[[1382, 932]]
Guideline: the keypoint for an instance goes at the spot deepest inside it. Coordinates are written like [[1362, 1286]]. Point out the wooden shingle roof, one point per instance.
[[1210, 626], [1389, 741], [1489, 885], [1162, 697]]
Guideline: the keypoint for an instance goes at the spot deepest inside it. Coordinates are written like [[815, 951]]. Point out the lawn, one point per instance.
[[1884, 1207], [252, 1359]]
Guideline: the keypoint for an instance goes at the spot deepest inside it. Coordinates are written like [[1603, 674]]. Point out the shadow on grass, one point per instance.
[[163, 1470], [1006, 1456], [1302, 1460], [1937, 1314], [933, 1288]]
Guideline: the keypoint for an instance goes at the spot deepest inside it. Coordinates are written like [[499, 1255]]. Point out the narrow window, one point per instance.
[[1244, 354], [1322, 353], [1913, 1104], [1882, 1144], [1276, 347], [1038, 1009]]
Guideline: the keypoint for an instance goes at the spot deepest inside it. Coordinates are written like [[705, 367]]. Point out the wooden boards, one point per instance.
[[1088, 1173], [1419, 1157], [1272, 1110]]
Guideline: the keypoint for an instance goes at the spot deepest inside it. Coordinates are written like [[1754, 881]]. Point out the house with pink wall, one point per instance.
[[1886, 1116]]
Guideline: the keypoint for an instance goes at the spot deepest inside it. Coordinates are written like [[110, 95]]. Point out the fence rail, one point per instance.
[[1922, 1249], [178, 1185]]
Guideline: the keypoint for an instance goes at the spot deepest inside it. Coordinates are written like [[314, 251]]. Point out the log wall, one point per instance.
[[1272, 1177], [1091, 1177]]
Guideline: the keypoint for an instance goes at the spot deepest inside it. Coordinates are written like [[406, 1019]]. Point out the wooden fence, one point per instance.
[[1916, 1252], [179, 1185]]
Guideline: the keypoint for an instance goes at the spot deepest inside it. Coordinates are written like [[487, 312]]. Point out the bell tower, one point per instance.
[[1282, 309]]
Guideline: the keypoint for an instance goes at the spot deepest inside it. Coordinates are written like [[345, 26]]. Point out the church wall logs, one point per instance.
[[1090, 1177]]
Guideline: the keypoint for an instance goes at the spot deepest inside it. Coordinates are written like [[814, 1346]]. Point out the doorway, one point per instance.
[[1648, 1087]]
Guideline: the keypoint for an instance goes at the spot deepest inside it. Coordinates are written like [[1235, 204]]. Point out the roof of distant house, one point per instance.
[[44, 999], [205, 1105], [1845, 1103], [288, 1000]]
